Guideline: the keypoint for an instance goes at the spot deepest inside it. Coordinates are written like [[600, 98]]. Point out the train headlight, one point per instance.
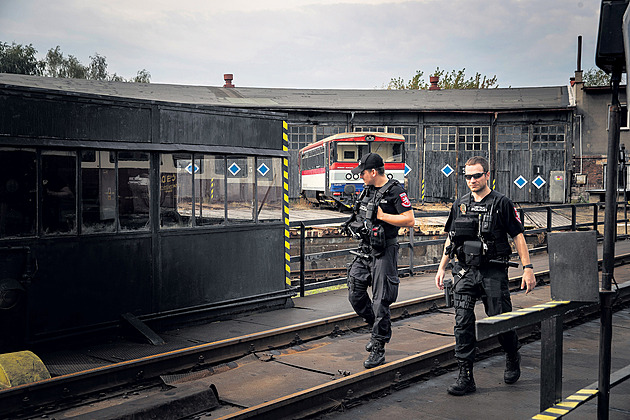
[[355, 176], [390, 176], [348, 176]]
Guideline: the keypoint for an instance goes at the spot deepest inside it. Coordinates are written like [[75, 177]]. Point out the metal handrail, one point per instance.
[[302, 257]]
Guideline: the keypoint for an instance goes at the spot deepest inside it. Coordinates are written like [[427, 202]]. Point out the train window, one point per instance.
[[350, 151], [18, 180], [389, 151], [98, 192], [210, 190], [176, 189], [133, 191], [269, 185], [240, 189], [59, 209]]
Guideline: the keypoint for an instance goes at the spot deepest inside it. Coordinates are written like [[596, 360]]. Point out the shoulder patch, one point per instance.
[[405, 200], [517, 216]]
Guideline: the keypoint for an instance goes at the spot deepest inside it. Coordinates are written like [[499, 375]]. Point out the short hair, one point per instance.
[[479, 160], [380, 171]]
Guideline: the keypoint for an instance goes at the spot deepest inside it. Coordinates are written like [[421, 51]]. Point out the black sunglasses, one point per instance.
[[476, 176]]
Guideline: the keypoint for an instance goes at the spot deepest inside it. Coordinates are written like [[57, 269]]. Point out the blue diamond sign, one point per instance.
[[520, 181], [234, 169], [539, 182], [447, 170], [263, 169], [189, 168], [407, 170]]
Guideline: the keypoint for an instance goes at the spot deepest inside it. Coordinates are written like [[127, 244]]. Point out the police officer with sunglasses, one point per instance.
[[478, 227]]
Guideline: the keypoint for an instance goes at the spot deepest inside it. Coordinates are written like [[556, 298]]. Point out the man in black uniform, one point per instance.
[[382, 207], [478, 225]]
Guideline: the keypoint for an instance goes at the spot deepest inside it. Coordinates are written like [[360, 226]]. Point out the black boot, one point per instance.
[[369, 345], [377, 355], [465, 383], [512, 368]]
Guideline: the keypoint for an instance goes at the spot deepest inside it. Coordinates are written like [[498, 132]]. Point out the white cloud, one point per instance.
[[313, 43]]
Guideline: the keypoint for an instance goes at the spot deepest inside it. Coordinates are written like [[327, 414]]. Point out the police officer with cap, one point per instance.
[[478, 226], [381, 209]]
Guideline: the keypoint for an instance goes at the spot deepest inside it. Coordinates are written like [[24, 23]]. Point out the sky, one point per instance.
[[319, 44]]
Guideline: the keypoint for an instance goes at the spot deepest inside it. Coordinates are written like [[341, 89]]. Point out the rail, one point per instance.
[[302, 257]]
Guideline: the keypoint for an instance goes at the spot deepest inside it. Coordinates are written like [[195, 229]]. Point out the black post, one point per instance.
[[573, 217], [549, 223], [608, 264], [550, 361], [302, 240], [411, 244], [595, 218]]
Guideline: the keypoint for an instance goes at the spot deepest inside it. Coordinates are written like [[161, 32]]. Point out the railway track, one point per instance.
[[147, 375]]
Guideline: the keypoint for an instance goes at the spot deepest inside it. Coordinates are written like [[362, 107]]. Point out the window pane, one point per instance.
[[98, 192], [240, 193], [269, 181], [176, 189], [133, 190], [58, 191], [18, 179], [210, 190]]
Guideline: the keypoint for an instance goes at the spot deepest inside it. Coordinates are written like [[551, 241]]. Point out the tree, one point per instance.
[[456, 79], [596, 77], [20, 59]]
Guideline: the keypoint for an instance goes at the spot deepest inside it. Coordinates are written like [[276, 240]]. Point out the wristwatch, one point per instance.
[[528, 266]]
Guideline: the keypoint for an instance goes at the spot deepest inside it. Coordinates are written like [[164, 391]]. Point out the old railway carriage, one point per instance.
[[141, 205], [325, 165]]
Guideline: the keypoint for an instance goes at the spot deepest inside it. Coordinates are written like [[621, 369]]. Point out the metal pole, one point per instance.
[[411, 251], [610, 230], [302, 240]]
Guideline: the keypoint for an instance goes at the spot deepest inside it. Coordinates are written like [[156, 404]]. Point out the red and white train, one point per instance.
[[325, 165]]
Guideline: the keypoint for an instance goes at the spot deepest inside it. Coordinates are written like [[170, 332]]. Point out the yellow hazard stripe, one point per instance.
[[531, 309], [285, 208], [569, 404]]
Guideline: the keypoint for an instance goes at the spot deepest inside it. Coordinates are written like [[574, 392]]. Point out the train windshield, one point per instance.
[[350, 151], [389, 151]]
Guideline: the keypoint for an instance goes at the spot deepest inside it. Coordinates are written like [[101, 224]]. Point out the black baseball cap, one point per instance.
[[369, 161]]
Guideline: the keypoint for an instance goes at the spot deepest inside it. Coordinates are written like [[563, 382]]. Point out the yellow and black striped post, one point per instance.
[[422, 189], [285, 182]]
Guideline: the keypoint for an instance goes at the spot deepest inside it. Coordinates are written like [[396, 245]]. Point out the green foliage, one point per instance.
[[456, 79], [596, 77], [20, 59]]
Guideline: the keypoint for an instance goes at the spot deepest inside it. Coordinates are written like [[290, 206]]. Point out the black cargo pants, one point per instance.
[[490, 283], [382, 274]]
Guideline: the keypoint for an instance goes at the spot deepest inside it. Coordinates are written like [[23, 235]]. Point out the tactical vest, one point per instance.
[[478, 222], [372, 232]]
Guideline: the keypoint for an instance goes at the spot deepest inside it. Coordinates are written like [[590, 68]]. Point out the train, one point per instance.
[[325, 165]]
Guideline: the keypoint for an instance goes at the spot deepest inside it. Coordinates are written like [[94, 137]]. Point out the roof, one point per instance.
[[500, 99]]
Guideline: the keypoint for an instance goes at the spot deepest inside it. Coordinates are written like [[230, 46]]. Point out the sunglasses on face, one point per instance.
[[476, 176]]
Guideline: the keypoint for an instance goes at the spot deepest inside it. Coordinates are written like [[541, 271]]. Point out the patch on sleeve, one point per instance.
[[405, 200], [517, 216]]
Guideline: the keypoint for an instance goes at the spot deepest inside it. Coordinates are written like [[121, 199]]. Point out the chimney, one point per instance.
[[434, 83], [578, 71], [228, 80]]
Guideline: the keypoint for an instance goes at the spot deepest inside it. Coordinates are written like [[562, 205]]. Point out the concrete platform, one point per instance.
[[326, 359]]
